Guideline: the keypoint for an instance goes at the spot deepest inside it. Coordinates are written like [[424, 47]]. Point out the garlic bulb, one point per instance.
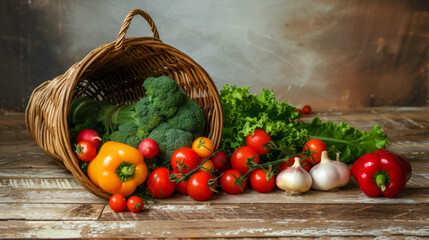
[[328, 174], [294, 179]]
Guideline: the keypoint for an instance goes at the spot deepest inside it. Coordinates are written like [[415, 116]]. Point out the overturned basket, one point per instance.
[[115, 72]]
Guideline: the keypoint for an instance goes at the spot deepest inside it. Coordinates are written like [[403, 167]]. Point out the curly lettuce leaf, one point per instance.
[[348, 141], [244, 112]]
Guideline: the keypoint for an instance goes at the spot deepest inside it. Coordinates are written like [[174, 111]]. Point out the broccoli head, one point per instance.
[[189, 117], [164, 94], [169, 139], [127, 133]]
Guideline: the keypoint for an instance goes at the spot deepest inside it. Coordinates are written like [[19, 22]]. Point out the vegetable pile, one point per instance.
[[166, 115], [156, 146]]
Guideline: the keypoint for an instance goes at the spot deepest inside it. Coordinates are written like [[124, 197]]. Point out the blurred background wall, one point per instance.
[[326, 53]]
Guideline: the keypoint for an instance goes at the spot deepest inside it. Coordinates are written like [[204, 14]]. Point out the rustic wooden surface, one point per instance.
[[40, 200]]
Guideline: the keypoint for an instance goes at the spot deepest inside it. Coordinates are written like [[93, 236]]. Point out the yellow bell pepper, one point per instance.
[[118, 168]]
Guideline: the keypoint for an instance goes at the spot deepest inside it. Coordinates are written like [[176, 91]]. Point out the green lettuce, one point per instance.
[[244, 112], [348, 141]]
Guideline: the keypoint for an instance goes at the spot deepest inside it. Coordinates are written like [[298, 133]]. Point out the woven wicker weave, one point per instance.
[[115, 72]]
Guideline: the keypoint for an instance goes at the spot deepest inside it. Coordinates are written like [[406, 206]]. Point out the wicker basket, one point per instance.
[[115, 72]]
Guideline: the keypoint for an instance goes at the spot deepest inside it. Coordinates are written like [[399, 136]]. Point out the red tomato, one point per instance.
[[306, 109], [257, 140], [258, 181], [182, 187], [228, 179], [159, 184], [300, 111], [198, 186], [149, 148], [315, 145], [219, 160], [86, 151], [241, 155], [117, 202], [187, 157], [135, 204], [89, 135], [203, 146], [305, 163]]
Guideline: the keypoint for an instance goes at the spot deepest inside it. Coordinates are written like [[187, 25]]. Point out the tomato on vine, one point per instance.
[[317, 146], [257, 140], [199, 186], [159, 184], [227, 181], [240, 157], [207, 167], [135, 204], [259, 182], [219, 160], [184, 160], [203, 146]]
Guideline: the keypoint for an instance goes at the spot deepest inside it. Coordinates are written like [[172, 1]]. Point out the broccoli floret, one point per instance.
[[189, 117], [127, 133], [169, 139], [164, 94]]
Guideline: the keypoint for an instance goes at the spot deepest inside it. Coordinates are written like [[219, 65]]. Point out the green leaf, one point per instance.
[[349, 141]]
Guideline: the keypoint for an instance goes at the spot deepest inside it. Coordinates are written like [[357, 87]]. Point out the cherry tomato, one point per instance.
[[207, 167], [86, 151], [257, 140], [258, 181], [117, 202], [186, 156], [241, 155], [89, 135], [300, 111], [305, 163], [203, 146], [135, 204], [149, 148], [306, 109], [228, 179], [182, 187], [198, 186], [219, 160], [159, 184], [315, 145]]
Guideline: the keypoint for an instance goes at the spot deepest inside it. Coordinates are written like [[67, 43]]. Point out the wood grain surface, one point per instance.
[[40, 200]]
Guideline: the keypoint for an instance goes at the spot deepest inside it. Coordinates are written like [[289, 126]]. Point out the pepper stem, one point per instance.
[[125, 171], [380, 180]]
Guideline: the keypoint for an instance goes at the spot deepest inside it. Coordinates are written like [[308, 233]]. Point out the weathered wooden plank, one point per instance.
[[56, 172], [345, 196], [11, 195], [64, 212], [298, 212], [40, 183], [210, 228]]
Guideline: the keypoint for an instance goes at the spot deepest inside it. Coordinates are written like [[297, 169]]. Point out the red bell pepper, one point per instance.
[[381, 173]]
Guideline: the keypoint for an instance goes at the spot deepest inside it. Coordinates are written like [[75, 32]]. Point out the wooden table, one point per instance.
[[40, 200]]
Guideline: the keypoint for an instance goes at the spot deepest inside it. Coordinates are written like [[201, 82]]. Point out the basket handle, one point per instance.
[[126, 24]]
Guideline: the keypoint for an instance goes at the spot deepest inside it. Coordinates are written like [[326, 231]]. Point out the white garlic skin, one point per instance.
[[328, 174], [294, 179]]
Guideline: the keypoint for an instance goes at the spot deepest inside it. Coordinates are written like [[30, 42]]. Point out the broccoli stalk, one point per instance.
[[166, 114]]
